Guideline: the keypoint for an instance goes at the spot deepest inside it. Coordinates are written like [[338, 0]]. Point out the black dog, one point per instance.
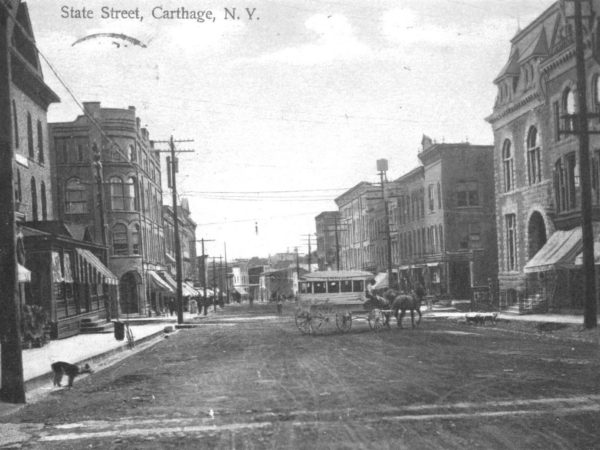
[[61, 368]]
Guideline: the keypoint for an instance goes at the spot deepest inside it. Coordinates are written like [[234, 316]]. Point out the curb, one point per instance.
[[38, 381]]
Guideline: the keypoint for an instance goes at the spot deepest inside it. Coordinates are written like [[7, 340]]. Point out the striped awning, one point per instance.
[[86, 257], [158, 283]]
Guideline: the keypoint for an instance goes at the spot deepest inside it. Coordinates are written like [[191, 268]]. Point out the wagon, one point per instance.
[[334, 296]]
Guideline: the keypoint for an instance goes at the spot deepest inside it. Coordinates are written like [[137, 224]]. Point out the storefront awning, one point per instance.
[[381, 281], [558, 252], [158, 283], [23, 274], [107, 276], [240, 290], [188, 291]]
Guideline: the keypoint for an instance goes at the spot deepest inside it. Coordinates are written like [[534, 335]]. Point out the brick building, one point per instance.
[[356, 251], [328, 226], [538, 204], [187, 240], [441, 220], [132, 197]]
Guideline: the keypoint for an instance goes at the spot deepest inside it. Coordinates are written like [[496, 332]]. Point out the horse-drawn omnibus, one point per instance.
[[328, 294]]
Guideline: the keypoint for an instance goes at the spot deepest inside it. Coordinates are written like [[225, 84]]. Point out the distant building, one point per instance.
[[356, 250], [329, 229], [187, 240], [443, 220]]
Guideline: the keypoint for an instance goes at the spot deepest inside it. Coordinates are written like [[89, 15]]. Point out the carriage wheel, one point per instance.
[[343, 322], [303, 322], [376, 319]]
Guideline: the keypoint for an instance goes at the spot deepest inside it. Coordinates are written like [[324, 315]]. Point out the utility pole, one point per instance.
[[172, 169], [581, 129], [297, 264], [205, 268], [309, 252], [337, 245], [382, 167], [97, 165], [13, 383], [214, 284], [226, 278], [221, 281], [587, 231]]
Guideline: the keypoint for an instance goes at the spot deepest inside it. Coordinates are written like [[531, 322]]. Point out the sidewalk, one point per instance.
[[84, 348], [542, 318]]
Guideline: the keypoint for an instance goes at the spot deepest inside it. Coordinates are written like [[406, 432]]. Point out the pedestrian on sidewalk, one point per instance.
[[171, 307], [279, 304]]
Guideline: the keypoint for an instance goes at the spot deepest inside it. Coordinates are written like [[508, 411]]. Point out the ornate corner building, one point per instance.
[[536, 161], [132, 196]]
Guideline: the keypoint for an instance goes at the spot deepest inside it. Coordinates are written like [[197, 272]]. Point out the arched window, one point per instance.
[[34, 205], [569, 108], [15, 123], [117, 194], [30, 136], [44, 201], [135, 239], [120, 244], [76, 197], [534, 162], [40, 136], [508, 166]]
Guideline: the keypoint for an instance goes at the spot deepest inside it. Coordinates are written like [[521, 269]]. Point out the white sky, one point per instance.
[[305, 99]]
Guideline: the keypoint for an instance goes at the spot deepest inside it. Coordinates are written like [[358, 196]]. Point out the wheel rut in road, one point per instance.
[[165, 426]]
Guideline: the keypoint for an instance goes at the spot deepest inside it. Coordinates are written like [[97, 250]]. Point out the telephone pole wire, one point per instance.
[[172, 169]]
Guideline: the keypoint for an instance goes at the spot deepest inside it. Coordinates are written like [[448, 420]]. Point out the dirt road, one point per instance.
[[247, 378]]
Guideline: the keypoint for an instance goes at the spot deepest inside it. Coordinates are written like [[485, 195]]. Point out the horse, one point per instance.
[[402, 302]]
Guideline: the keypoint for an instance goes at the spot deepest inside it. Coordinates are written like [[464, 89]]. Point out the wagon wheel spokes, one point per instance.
[[376, 319], [303, 322], [317, 320], [343, 321]]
